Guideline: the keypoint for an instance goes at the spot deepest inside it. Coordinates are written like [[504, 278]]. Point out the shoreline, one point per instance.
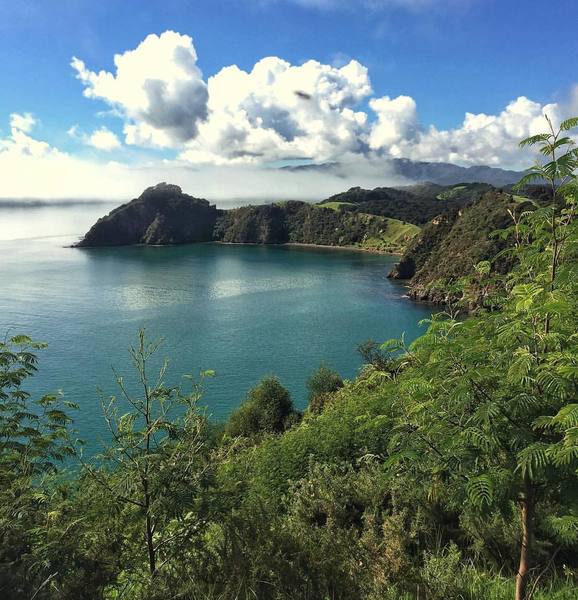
[[311, 246]]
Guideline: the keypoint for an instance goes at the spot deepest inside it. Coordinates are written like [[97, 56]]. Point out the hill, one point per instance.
[[160, 215], [416, 204], [419, 171]]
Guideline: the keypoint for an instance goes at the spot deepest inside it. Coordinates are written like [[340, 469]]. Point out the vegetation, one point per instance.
[[415, 204], [322, 384], [451, 245], [332, 224], [267, 409], [445, 470], [335, 205]]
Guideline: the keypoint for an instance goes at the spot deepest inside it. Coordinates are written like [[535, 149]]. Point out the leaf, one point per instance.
[[532, 459], [569, 124], [480, 490], [534, 139], [483, 267], [565, 528]]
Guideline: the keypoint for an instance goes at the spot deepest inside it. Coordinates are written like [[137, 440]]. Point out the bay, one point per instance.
[[242, 311]]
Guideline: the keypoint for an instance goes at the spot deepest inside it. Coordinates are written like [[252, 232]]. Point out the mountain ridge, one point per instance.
[[440, 173]]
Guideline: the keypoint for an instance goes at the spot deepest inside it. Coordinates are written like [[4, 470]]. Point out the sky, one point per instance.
[[101, 99]]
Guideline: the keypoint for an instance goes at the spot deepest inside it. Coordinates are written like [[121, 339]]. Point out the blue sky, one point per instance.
[[449, 56]]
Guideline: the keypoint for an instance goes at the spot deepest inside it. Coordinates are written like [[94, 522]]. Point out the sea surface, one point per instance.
[[242, 311]]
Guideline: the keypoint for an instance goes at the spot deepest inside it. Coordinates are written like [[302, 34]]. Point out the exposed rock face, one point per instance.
[[161, 215]]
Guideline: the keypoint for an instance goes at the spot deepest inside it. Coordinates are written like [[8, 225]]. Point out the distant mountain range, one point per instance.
[[433, 172]]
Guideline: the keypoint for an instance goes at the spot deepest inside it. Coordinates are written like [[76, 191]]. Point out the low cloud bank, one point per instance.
[[34, 170]]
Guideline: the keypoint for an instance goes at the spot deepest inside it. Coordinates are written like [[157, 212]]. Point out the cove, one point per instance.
[[242, 311]]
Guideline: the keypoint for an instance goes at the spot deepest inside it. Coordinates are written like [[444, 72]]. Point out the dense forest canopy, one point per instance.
[[446, 469]]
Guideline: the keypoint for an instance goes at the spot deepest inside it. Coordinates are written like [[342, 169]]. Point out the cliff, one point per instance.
[[161, 215]]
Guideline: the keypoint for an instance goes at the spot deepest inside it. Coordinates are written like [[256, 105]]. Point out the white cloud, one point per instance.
[[22, 122], [103, 139], [481, 139], [278, 111], [19, 143], [396, 121], [223, 131], [32, 168], [157, 87]]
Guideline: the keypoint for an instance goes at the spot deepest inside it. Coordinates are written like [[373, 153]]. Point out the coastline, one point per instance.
[[311, 246]]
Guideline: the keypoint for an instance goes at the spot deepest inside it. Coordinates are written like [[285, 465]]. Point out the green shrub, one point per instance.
[[321, 385], [266, 409]]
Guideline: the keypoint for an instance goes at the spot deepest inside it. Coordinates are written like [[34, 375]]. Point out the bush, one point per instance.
[[321, 385], [267, 409]]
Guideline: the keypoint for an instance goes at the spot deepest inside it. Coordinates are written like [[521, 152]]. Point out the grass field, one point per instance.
[[394, 237], [448, 194], [334, 205]]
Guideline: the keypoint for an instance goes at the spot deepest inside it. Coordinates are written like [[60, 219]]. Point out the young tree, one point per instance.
[[321, 384], [157, 459], [34, 439], [486, 404], [267, 409]]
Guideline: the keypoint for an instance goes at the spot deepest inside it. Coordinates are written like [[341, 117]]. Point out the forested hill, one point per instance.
[[318, 224], [442, 232], [416, 204], [451, 244], [383, 219]]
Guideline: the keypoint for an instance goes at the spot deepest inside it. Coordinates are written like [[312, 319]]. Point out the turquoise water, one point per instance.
[[244, 311]]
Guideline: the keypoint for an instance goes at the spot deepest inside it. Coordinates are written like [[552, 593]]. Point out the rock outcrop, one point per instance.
[[161, 215]]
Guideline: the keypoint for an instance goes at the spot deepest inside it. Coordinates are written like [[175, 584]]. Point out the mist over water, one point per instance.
[[244, 311]]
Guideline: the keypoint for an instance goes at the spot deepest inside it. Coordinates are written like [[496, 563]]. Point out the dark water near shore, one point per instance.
[[244, 311]]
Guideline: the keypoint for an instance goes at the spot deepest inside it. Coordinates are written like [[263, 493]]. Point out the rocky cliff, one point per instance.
[[161, 215]]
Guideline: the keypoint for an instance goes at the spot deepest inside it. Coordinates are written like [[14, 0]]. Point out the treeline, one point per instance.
[[304, 223], [416, 204], [445, 470]]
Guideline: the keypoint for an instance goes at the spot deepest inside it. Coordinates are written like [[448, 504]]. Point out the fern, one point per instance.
[[480, 490]]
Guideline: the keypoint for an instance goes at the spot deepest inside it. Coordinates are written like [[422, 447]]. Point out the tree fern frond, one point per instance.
[[480, 490]]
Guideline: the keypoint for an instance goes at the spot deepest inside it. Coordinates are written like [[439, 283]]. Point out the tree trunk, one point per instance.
[[527, 516], [150, 547]]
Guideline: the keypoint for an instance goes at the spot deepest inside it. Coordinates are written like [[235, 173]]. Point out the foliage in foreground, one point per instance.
[[447, 469]]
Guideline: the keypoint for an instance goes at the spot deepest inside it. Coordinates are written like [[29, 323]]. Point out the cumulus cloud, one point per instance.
[[157, 87], [481, 139], [281, 111], [19, 143], [103, 139], [396, 121], [227, 130], [22, 122]]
